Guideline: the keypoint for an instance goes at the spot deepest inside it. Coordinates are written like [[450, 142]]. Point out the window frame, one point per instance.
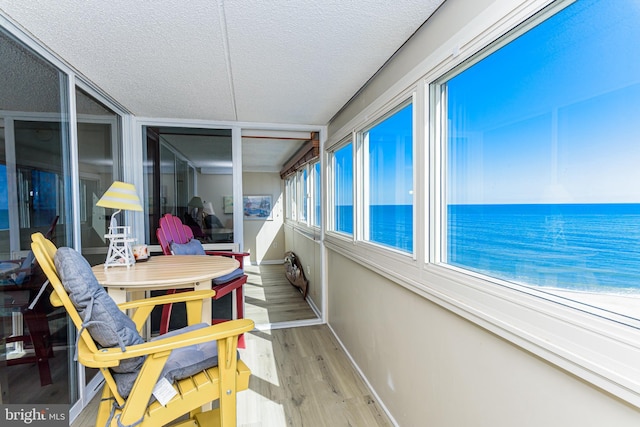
[[331, 189], [371, 252], [295, 197], [303, 194], [288, 198], [315, 185], [363, 178]]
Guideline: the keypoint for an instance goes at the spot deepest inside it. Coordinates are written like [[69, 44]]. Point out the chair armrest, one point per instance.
[[167, 299], [236, 255], [55, 299], [144, 307], [153, 301], [239, 256], [14, 271], [215, 332], [227, 253]]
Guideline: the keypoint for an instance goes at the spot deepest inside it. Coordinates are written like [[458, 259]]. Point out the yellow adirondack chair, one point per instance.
[[220, 382]]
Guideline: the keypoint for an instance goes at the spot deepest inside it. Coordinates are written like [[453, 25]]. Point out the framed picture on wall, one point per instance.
[[257, 207], [227, 204]]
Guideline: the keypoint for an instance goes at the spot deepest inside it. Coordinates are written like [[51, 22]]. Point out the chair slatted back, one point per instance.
[[172, 230], [45, 251]]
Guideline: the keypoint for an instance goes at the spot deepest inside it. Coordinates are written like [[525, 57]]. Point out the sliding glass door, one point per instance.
[[99, 132], [186, 163], [35, 195], [50, 183]]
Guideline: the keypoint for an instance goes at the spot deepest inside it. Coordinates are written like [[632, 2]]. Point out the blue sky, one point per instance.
[[391, 162], [391, 158], [344, 176], [553, 116]]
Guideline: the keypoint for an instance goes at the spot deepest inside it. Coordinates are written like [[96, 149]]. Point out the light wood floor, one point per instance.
[[270, 298], [300, 376]]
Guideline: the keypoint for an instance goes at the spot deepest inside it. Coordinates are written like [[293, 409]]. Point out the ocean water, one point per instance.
[[587, 247], [391, 225], [344, 219]]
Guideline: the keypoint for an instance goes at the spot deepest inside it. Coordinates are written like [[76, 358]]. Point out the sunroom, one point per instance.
[[456, 177]]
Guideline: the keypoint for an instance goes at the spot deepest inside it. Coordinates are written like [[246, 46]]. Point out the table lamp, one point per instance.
[[196, 202], [208, 208], [120, 196]]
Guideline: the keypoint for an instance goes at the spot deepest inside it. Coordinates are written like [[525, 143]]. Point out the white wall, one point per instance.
[[212, 188], [264, 239], [307, 248], [433, 368], [429, 366]]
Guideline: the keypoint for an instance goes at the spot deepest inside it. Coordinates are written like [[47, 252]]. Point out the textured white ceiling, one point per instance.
[[268, 61]]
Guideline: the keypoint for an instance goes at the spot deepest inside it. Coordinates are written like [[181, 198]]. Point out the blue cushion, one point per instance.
[[193, 247], [107, 325], [6, 270], [14, 273], [212, 221], [228, 277], [186, 361], [182, 362], [25, 269]]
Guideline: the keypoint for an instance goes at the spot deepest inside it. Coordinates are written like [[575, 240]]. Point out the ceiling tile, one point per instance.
[[290, 62]]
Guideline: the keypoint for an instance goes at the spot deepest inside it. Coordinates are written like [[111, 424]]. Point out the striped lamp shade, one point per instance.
[[121, 195]]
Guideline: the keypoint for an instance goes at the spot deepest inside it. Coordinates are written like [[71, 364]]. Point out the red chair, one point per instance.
[[22, 285], [173, 230]]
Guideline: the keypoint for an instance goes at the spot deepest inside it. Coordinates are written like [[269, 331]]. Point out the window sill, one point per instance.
[[573, 336], [309, 231]]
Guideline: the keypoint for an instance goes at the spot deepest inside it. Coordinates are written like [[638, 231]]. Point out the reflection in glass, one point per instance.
[[343, 191], [389, 201], [98, 136], [543, 160], [317, 196], [34, 163], [304, 189], [183, 163]]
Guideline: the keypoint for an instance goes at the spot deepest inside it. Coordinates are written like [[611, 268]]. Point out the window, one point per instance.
[[292, 197], [388, 183], [343, 189], [289, 197], [317, 194], [304, 194], [542, 156], [303, 197]]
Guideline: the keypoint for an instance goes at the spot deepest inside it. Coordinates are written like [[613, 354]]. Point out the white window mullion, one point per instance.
[[358, 188]]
